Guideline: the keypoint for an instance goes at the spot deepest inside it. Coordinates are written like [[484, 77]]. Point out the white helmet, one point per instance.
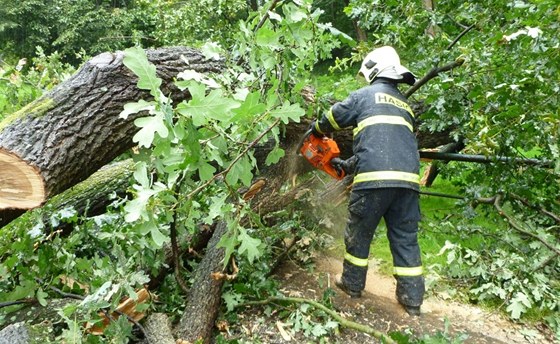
[[385, 62]]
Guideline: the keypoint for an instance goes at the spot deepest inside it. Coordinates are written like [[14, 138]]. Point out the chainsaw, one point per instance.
[[319, 151]]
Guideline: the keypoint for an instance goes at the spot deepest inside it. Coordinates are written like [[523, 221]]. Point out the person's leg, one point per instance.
[[365, 207], [402, 230]]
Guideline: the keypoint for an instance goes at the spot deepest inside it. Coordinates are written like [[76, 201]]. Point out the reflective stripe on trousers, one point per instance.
[[399, 208], [387, 175]]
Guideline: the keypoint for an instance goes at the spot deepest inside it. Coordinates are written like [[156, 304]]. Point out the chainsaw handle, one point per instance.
[[302, 140]]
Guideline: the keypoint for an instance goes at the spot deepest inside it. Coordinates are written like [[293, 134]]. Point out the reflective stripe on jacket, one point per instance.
[[384, 142]]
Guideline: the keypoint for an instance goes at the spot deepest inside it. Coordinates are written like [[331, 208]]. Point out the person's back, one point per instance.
[[383, 149]]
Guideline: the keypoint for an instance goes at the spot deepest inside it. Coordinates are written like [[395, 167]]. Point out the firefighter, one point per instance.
[[386, 180]]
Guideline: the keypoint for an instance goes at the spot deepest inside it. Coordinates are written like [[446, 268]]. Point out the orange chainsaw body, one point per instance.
[[319, 151]]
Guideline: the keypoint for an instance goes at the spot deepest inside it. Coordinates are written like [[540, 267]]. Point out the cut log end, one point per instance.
[[21, 185]]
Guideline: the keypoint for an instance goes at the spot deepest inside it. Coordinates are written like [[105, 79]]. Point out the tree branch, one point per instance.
[[18, 302], [432, 74], [467, 29], [520, 229], [266, 15], [542, 210], [436, 70], [175, 247], [342, 321]]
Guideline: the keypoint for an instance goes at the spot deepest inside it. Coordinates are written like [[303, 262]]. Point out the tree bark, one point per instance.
[[158, 330], [361, 34], [73, 130], [23, 333], [203, 302]]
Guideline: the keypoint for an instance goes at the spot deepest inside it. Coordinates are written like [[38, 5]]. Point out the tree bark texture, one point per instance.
[[73, 130], [23, 333], [203, 302], [158, 330], [34, 313]]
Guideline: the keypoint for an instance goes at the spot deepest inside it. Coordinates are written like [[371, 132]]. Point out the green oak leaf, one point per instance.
[[249, 245], [136, 60], [149, 126], [274, 156], [288, 112]]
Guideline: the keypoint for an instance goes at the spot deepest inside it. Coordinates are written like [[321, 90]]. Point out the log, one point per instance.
[[70, 132], [88, 198], [23, 333], [158, 330], [203, 301]]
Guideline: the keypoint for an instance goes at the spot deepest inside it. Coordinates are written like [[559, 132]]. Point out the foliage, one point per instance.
[[193, 158], [440, 337], [21, 84], [87, 27], [503, 101], [183, 140], [190, 23], [90, 27], [98, 260]]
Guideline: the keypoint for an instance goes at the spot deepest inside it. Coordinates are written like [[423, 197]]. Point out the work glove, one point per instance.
[[348, 165]]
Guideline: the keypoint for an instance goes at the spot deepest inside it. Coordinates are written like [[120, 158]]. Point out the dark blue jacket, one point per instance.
[[384, 141]]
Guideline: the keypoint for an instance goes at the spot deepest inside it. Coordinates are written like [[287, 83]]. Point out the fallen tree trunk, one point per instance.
[[90, 197], [158, 330], [70, 132], [203, 302]]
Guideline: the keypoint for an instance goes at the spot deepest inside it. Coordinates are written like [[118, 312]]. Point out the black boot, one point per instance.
[[352, 293], [412, 310]]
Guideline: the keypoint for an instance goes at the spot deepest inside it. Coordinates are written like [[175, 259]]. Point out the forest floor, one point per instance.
[[378, 309]]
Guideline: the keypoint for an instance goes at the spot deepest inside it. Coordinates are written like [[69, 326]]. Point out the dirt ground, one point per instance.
[[378, 309]]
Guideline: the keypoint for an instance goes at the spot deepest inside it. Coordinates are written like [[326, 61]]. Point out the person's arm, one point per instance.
[[341, 115]]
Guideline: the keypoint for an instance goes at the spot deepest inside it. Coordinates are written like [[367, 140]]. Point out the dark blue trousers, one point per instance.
[[400, 209]]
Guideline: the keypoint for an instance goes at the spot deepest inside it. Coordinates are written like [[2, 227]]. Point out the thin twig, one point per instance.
[[175, 247], [60, 292], [104, 310], [342, 321], [266, 15], [226, 171], [18, 302], [542, 210], [545, 262], [436, 70], [485, 200], [281, 257]]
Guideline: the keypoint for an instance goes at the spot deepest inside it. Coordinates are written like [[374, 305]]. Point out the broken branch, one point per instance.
[[342, 321]]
